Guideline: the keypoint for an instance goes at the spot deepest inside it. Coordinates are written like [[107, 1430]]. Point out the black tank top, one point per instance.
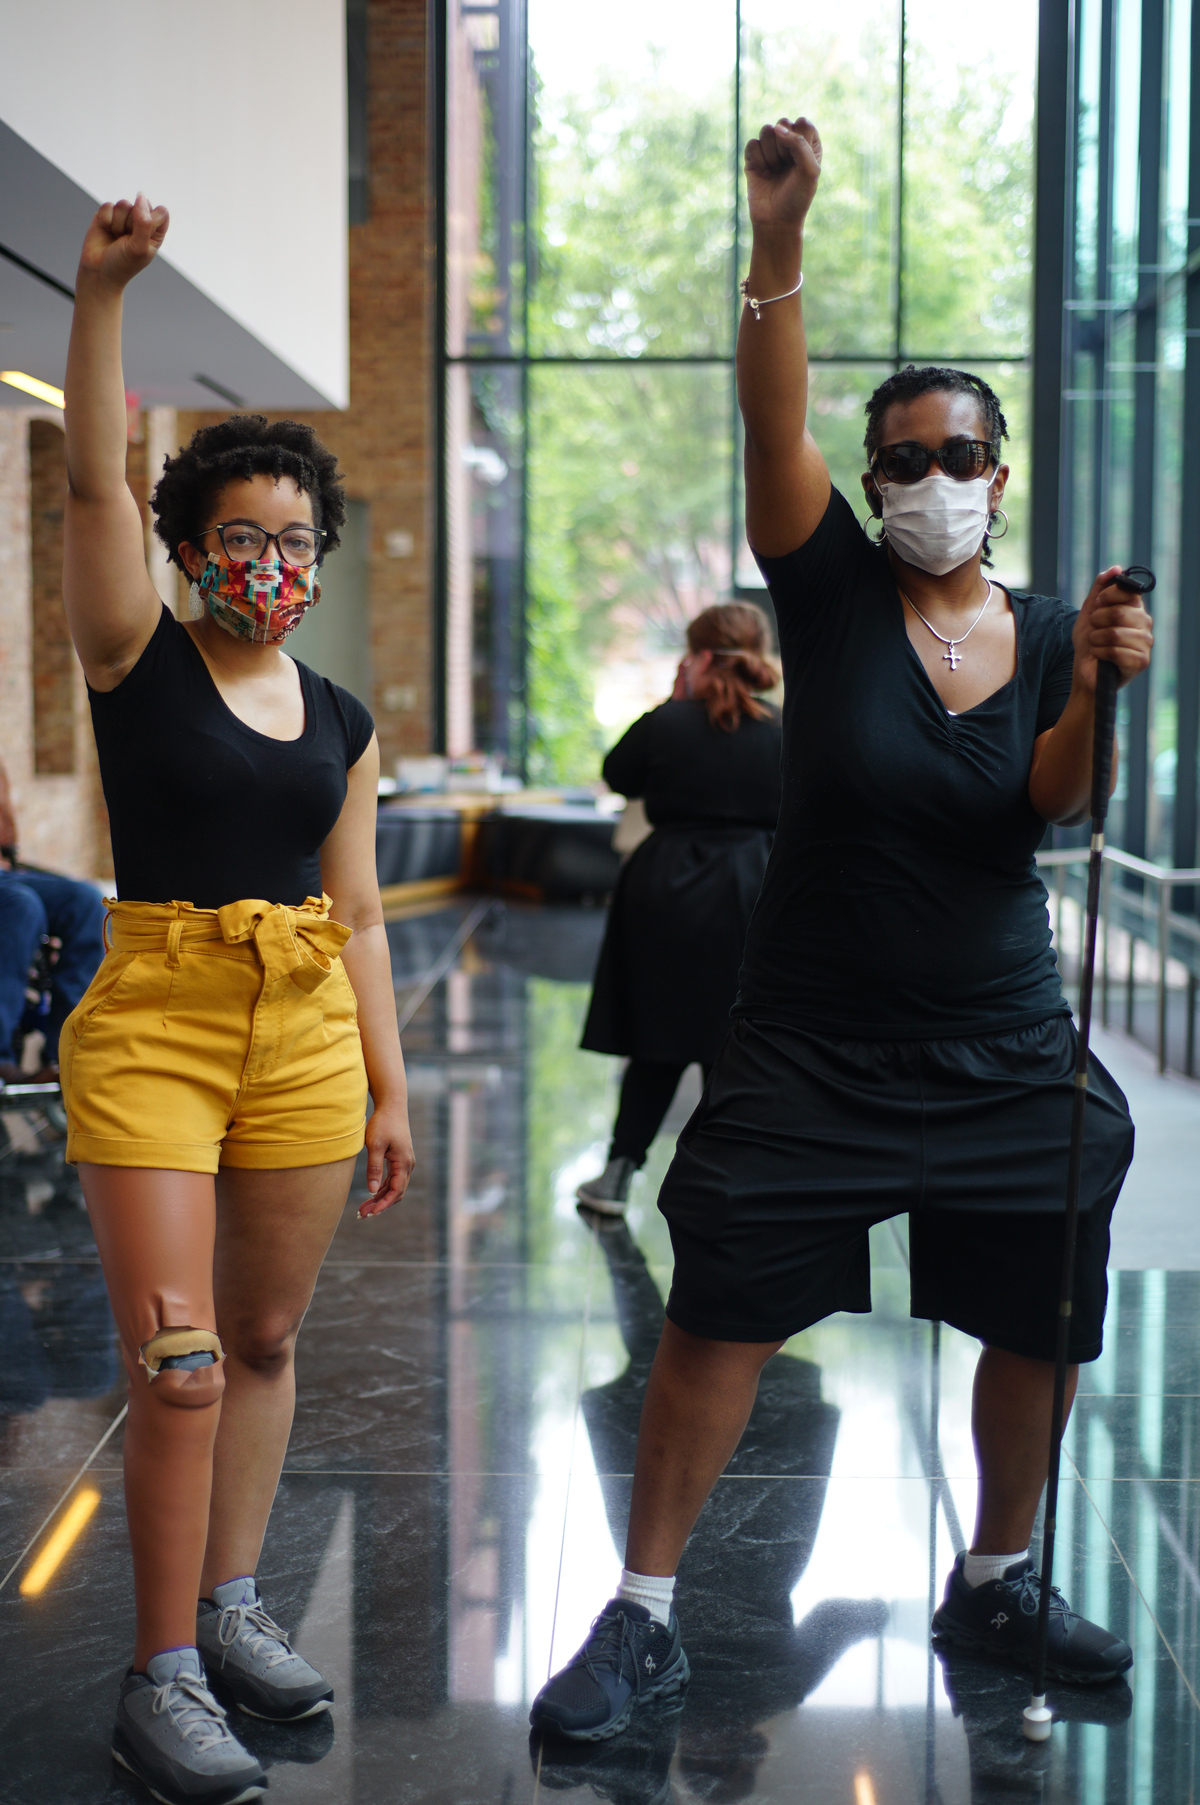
[[204, 809]]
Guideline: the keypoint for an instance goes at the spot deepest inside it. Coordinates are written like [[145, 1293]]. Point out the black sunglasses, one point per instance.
[[908, 462]]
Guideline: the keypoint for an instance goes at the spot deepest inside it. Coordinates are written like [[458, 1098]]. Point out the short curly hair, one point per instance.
[[243, 446], [931, 379]]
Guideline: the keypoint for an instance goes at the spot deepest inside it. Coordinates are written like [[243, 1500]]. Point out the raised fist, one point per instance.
[[122, 239], [783, 167]]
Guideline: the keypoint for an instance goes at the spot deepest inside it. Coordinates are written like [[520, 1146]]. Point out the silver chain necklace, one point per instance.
[[952, 656]]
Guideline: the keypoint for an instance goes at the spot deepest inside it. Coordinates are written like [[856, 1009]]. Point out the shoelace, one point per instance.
[[1028, 1595], [611, 1635], [260, 1630], [195, 1715]]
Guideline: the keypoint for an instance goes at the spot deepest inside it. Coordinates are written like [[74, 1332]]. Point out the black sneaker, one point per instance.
[[628, 1659], [998, 1620]]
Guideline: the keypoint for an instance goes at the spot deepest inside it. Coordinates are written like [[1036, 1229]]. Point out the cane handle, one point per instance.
[[1137, 580]]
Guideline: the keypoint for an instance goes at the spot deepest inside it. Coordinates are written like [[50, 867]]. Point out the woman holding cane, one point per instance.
[[901, 1041], [216, 1071]]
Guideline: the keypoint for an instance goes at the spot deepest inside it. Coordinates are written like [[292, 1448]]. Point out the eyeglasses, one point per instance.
[[908, 462], [243, 541]]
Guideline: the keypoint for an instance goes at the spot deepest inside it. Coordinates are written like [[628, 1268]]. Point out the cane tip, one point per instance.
[[1037, 1720]]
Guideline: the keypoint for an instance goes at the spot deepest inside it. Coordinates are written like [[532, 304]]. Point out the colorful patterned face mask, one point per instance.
[[262, 600]]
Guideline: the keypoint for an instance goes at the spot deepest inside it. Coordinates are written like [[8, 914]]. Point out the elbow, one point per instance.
[[359, 914], [1057, 813]]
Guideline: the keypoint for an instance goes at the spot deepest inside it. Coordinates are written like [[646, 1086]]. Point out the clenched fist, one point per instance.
[[123, 238], [783, 167], [1112, 624]]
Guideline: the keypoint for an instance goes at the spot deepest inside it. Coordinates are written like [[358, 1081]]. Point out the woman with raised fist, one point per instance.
[[216, 1071], [901, 1042]]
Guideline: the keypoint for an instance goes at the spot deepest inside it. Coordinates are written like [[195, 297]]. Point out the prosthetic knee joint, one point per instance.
[[180, 1350]]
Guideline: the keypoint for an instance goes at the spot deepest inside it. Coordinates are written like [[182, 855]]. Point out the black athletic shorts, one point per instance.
[[801, 1143]]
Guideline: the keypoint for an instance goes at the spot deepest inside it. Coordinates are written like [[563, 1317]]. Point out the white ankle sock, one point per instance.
[[648, 1589], [979, 1568]]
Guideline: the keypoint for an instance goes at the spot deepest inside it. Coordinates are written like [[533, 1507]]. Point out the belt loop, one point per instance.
[[174, 935], [108, 946]]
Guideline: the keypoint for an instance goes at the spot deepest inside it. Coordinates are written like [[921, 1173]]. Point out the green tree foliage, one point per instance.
[[628, 533]]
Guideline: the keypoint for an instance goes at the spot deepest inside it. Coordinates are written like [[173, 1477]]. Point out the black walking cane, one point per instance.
[[1139, 581]]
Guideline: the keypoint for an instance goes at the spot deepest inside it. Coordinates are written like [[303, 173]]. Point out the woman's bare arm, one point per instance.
[[1112, 624], [112, 605], [348, 874], [787, 484]]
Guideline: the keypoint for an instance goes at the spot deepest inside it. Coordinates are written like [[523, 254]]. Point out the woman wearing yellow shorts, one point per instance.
[[216, 1071]]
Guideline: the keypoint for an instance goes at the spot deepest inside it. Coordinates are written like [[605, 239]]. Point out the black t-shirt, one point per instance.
[[901, 900], [688, 770], [204, 809]]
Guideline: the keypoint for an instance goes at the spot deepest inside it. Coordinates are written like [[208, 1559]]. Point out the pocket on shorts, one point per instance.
[[339, 1005], [112, 980]]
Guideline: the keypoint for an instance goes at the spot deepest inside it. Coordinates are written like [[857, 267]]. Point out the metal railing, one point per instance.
[[1139, 914]]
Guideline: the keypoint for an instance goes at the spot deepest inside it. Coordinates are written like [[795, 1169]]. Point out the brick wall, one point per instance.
[[384, 439], [52, 654], [60, 814]]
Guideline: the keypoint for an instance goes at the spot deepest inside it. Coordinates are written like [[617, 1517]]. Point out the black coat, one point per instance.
[[668, 969]]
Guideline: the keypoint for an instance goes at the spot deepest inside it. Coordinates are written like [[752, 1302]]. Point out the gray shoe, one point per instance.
[[172, 1735], [608, 1194], [247, 1654]]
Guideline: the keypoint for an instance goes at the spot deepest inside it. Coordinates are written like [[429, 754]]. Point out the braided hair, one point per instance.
[[907, 384], [234, 450]]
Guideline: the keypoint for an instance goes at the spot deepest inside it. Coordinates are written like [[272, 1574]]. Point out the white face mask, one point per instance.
[[936, 524]]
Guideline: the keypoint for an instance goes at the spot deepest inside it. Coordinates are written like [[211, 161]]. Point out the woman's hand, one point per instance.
[[122, 240], [689, 678], [390, 1158], [783, 167], [1112, 624]]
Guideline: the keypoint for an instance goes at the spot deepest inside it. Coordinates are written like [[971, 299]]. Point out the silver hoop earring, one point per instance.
[[196, 604], [997, 514]]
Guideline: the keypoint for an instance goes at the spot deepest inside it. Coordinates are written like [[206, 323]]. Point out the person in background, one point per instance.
[[33, 905], [706, 764]]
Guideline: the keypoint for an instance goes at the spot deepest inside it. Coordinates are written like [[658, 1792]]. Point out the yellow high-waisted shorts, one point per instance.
[[216, 1037]]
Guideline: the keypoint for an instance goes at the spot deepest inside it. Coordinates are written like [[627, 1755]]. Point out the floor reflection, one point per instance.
[[457, 1486]]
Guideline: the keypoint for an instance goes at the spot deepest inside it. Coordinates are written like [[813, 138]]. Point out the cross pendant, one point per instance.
[[952, 656]]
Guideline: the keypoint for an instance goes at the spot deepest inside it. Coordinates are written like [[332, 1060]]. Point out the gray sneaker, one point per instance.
[[247, 1654], [172, 1735], [608, 1194]]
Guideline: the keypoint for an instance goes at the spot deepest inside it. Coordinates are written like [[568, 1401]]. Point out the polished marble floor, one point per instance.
[[453, 1502]]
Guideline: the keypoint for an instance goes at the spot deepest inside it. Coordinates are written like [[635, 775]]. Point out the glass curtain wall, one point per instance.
[[594, 236], [1130, 482]]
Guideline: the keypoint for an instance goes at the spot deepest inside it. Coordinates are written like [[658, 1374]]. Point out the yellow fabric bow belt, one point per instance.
[[300, 944]]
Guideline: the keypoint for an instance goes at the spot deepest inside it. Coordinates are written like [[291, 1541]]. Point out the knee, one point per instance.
[[83, 913], [706, 1361], [24, 917], [199, 1389], [183, 1367], [265, 1344]]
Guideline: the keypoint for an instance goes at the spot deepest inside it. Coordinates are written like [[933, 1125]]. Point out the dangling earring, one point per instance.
[[997, 514], [196, 604]]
